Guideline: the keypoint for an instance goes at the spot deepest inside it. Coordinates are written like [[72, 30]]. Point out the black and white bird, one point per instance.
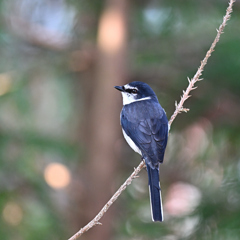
[[145, 128]]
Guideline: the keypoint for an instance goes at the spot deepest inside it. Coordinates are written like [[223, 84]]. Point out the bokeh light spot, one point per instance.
[[5, 83], [57, 175], [182, 198], [12, 213], [111, 31]]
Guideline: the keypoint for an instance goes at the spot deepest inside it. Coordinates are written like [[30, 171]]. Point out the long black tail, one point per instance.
[[155, 194]]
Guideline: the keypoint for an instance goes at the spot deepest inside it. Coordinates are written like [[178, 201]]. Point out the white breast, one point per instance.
[[131, 143]]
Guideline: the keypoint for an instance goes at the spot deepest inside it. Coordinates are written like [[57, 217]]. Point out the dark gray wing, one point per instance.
[[148, 129]]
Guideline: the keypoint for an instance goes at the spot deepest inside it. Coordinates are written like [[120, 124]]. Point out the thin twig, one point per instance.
[[196, 78], [95, 221], [179, 109]]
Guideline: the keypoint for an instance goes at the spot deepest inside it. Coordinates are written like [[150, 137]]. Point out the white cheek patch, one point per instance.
[[130, 98]]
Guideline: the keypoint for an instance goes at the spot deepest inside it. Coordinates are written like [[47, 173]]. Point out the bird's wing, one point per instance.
[[150, 135]]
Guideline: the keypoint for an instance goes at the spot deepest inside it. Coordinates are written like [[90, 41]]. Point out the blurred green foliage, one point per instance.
[[41, 114]]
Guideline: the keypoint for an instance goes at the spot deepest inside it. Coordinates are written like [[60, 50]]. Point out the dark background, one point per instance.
[[62, 153]]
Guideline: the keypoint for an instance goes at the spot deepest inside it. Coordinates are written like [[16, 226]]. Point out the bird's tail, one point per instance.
[[155, 194]]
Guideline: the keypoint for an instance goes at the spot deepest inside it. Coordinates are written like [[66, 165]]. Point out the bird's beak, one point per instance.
[[120, 88]]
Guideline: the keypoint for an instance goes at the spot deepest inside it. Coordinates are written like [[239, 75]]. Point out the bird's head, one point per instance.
[[136, 91]]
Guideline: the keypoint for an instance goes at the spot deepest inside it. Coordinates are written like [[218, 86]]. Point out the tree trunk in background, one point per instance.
[[104, 123]]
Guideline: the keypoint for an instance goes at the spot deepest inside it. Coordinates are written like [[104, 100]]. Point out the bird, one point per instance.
[[145, 128]]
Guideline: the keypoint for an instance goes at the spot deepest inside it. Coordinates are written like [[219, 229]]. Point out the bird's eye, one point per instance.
[[134, 90]]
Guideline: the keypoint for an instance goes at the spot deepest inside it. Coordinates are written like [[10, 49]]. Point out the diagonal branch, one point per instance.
[[196, 78], [95, 221], [179, 109]]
